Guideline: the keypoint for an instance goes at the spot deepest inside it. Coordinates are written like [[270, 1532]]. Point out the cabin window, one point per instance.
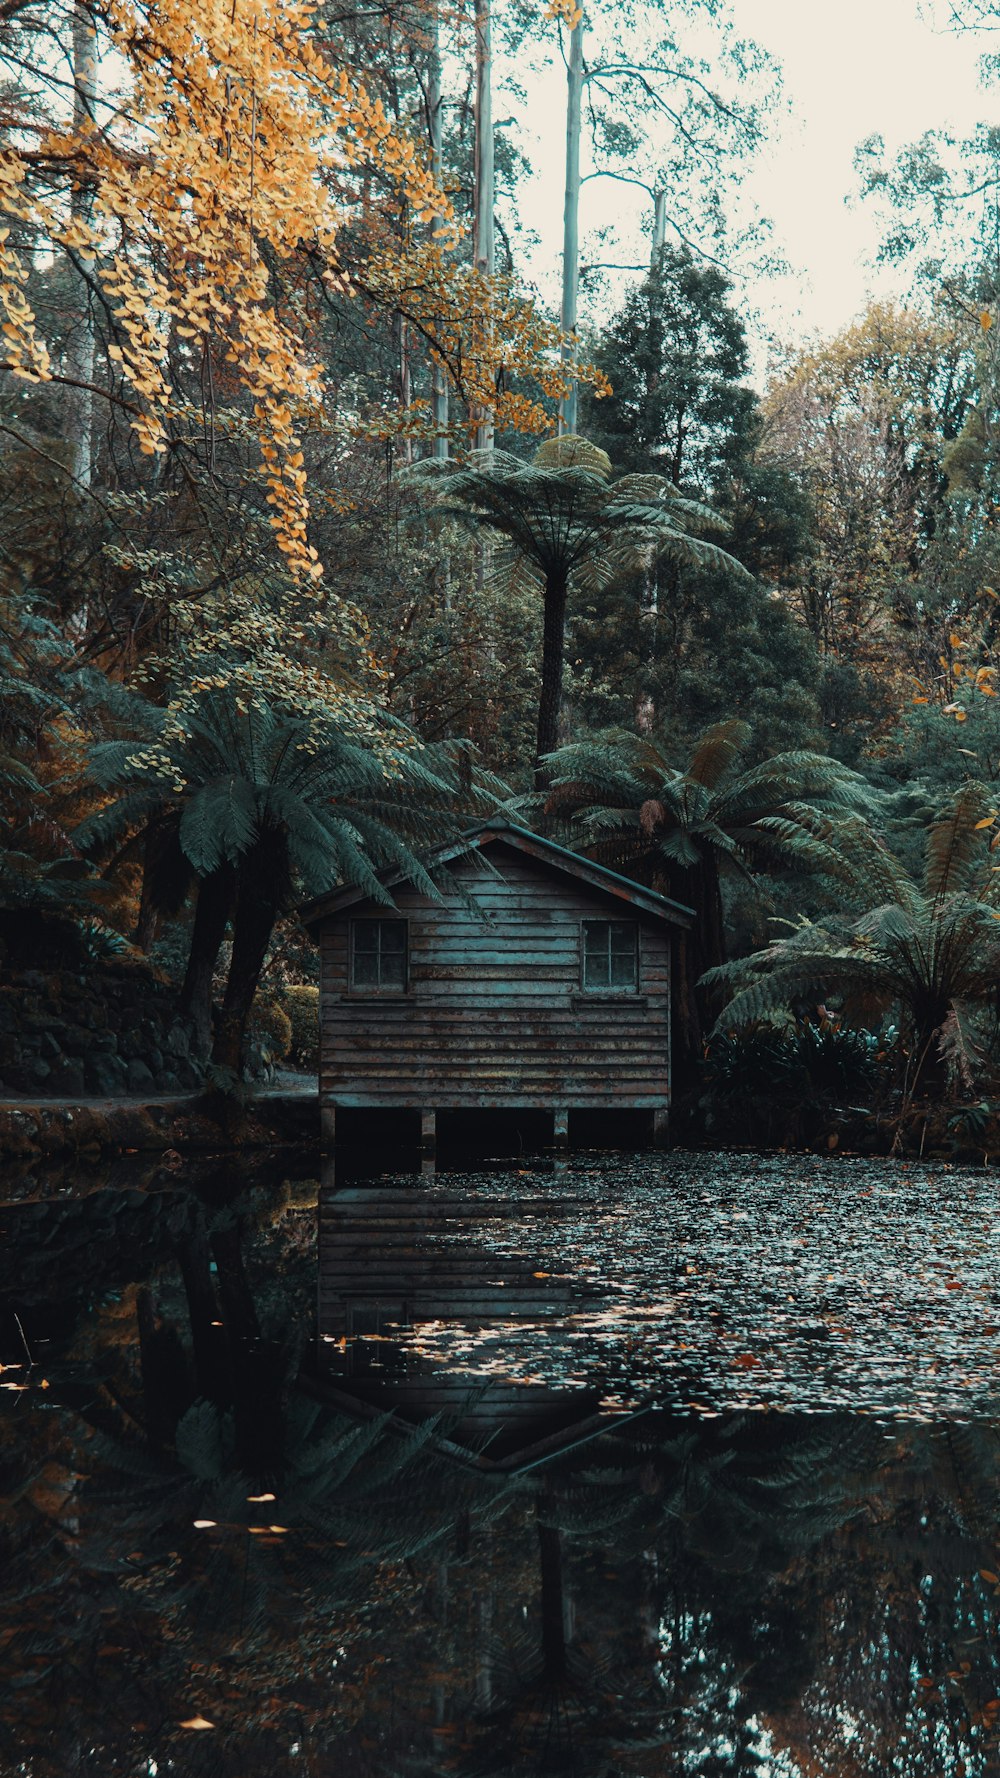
[[378, 954], [611, 955]]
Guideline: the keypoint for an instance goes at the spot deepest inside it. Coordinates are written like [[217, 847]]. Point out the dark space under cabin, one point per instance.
[[539, 981]]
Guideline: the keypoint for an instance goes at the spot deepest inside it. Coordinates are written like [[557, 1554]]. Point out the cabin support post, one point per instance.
[[428, 1131], [328, 1125], [661, 1125], [560, 1127]]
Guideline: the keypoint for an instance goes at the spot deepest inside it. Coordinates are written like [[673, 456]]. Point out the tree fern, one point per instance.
[[265, 804], [565, 521], [682, 829], [927, 952]]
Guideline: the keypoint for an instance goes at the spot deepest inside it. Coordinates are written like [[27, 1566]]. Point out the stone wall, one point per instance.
[[71, 1036]]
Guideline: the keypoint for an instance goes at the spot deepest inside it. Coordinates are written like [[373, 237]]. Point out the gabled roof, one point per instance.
[[520, 839]]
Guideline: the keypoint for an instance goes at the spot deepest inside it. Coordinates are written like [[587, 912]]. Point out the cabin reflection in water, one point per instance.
[[394, 1257]]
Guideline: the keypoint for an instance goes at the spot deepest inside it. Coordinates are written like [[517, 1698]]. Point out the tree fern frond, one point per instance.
[[955, 847], [717, 749]]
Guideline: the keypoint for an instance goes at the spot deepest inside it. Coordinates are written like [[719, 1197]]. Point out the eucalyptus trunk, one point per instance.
[[553, 653], [659, 227], [435, 130], [571, 218], [483, 241], [78, 408]]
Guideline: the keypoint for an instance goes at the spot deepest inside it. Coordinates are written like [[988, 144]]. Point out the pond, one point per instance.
[[632, 1465]]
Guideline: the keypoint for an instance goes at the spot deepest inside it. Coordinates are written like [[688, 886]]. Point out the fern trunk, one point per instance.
[[553, 651], [263, 880], [928, 1065], [701, 947], [211, 917]]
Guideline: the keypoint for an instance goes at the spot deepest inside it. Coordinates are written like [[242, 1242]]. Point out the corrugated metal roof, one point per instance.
[[534, 845]]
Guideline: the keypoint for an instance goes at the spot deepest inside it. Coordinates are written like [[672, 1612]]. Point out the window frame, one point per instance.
[[611, 990], [377, 990]]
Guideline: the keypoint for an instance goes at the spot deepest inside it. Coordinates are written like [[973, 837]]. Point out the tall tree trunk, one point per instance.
[[78, 407], [147, 919], [571, 216], [261, 881], [483, 239], [553, 650], [216, 895], [659, 227], [701, 947], [435, 127], [165, 873], [405, 383]]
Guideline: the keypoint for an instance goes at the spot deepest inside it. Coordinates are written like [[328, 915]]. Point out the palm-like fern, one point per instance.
[[684, 829], [567, 522], [927, 950], [264, 805]]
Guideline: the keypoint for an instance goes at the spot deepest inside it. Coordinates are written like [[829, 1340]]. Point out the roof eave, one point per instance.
[[596, 876]]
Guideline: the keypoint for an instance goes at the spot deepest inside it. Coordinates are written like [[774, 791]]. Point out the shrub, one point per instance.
[[765, 1082], [302, 1006], [270, 1031]]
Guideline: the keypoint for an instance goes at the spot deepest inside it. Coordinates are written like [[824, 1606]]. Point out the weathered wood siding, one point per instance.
[[494, 1014]]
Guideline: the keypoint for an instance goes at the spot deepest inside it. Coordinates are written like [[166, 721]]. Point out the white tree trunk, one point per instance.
[[78, 407], [435, 125], [571, 215], [483, 246], [659, 226]]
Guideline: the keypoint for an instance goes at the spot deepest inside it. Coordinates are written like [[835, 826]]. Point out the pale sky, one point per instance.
[[852, 67]]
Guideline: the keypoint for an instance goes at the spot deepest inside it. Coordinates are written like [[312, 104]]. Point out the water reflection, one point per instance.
[[346, 1562]]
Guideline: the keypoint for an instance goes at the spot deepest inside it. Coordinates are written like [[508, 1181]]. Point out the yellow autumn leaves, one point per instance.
[[218, 196]]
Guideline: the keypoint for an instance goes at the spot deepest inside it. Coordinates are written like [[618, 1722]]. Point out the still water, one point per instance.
[[653, 1465]]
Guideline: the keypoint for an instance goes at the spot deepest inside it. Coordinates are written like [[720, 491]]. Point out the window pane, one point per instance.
[[365, 968], [595, 937], [393, 970], [623, 974], [378, 954], [596, 966], [610, 954]]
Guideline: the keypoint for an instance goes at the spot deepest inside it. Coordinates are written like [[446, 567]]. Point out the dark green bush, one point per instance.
[[301, 1003], [767, 1083]]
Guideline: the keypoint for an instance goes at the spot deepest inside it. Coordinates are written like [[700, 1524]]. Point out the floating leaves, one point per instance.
[[732, 1282]]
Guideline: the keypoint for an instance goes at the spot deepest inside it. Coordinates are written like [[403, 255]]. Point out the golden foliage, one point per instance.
[[233, 164]]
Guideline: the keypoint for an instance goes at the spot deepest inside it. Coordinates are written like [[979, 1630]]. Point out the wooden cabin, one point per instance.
[[538, 981]]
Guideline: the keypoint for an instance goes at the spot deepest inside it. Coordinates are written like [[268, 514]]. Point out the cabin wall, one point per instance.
[[495, 1015]]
